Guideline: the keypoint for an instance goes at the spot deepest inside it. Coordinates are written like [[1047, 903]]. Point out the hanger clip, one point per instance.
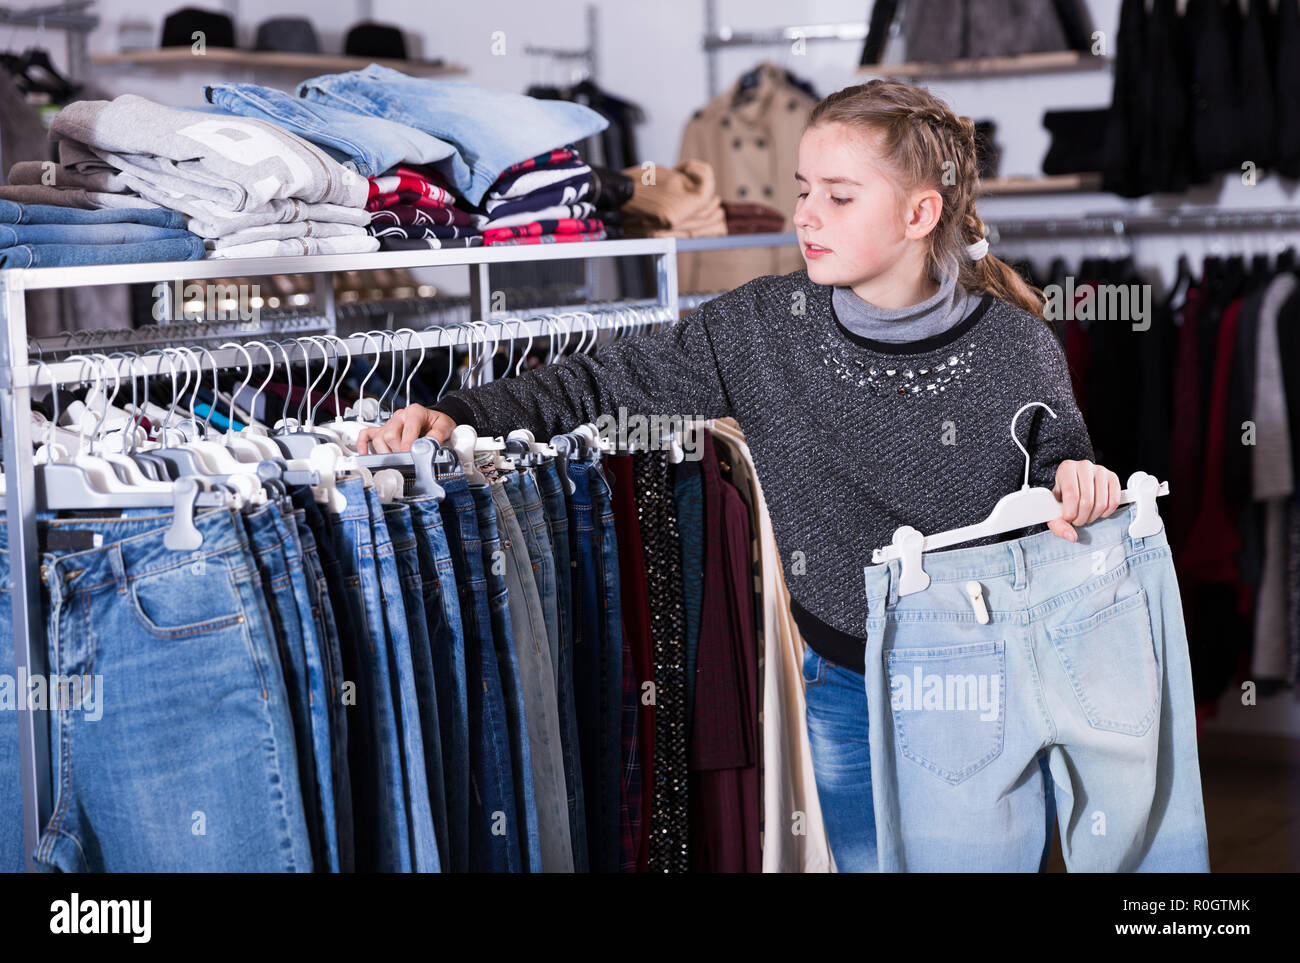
[[182, 536]]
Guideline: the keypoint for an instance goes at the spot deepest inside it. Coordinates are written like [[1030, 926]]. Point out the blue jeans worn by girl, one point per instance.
[[1083, 656]]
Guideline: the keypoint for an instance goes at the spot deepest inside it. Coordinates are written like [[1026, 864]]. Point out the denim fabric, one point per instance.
[[398, 519], [526, 500], [594, 741], [521, 762], [14, 213], [442, 612], [453, 111], [204, 729], [688, 492], [401, 676], [322, 615], [1084, 655], [537, 685], [495, 838], [115, 233], [557, 519], [613, 762], [371, 144], [383, 838], [264, 538], [353, 729], [184, 247], [319, 682]]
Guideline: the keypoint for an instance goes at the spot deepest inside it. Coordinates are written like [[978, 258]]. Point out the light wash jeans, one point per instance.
[[1084, 655], [454, 111], [371, 144]]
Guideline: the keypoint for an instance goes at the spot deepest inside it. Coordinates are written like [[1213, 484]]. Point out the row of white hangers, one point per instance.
[[1030, 505], [105, 460]]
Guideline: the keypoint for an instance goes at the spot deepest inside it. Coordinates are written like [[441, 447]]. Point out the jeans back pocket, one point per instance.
[[1110, 660], [948, 705]]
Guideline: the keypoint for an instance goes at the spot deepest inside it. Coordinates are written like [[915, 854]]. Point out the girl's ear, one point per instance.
[[924, 213]]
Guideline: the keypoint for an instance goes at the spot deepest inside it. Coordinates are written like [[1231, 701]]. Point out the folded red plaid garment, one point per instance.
[[547, 239], [411, 183], [563, 225], [420, 214], [393, 198]]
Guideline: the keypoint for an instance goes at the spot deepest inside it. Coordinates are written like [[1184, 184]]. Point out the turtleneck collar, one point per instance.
[[915, 322]]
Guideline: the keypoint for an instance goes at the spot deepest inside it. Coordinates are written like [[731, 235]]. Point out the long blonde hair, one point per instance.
[[920, 139]]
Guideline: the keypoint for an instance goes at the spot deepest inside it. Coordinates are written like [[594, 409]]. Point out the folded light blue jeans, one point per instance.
[[1083, 655]]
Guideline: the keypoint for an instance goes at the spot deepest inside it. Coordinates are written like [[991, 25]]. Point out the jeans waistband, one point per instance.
[[1014, 560]]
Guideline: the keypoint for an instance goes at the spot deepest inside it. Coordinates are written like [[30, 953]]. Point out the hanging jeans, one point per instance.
[[557, 521], [322, 615], [521, 763], [383, 825], [494, 839], [1083, 655], [401, 674], [447, 649], [537, 683], [398, 519], [189, 700], [598, 661], [303, 679], [352, 719]]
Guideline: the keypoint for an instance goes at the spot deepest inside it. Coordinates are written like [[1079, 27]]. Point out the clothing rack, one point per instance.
[[719, 37], [1124, 224], [19, 375], [586, 54]]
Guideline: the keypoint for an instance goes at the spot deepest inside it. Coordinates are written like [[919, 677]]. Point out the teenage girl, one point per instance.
[[876, 389]]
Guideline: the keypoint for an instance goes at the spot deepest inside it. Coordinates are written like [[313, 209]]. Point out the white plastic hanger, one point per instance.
[[1021, 509]]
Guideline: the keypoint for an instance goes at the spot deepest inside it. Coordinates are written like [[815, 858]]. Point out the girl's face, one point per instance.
[[851, 225]]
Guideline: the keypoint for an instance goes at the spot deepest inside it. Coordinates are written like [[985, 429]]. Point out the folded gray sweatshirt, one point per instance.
[[236, 163], [852, 437]]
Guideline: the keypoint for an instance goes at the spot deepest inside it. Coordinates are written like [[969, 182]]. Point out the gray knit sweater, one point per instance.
[[851, 437]]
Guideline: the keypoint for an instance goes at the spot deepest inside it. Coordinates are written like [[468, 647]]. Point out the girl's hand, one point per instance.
[[406, 425], [1087, 492]]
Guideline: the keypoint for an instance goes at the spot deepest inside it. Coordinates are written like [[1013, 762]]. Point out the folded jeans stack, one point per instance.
[[40, 235], [678, 202], [250, 188]]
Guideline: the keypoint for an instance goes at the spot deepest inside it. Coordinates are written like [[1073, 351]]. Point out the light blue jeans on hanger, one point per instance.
[[1084, 655], [454, 110]]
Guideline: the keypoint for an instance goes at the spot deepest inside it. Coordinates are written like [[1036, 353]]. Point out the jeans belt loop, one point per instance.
[[1018, 558], [119, 566]]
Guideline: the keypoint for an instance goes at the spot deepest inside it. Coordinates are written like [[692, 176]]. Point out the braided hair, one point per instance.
[[926, 144]]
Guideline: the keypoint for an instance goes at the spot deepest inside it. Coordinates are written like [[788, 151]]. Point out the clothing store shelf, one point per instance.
[[726, 242], [32, 279], [19, 375], [1050, 61], [1058, 184], [281, 60]]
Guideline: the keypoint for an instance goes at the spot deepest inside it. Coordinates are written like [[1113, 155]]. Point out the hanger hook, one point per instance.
[[361, 393], [1017, 440], [270, 373], [321, 342], [418, 363], [338, 408], [248, 366]]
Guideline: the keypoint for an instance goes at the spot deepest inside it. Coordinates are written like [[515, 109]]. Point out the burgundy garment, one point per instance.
[[634, 598], [421, 214], [724, 790], [1186, 434], [1212, 555]]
